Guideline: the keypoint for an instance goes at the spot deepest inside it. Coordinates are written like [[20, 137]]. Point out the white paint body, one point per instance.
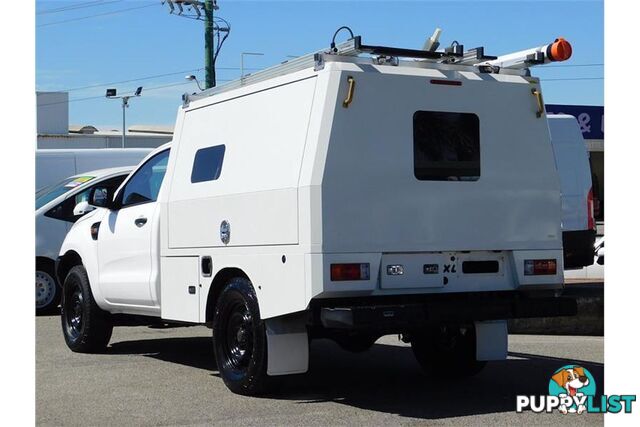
[[316, 183], [572, 161]]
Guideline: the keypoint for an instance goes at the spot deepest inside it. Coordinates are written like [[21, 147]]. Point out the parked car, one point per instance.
[[335, 196], [53, 165], [578, 210], [592, 273], [54, 217]]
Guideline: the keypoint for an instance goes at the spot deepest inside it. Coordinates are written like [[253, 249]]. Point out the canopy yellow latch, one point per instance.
[[538, 96], [349, 98]]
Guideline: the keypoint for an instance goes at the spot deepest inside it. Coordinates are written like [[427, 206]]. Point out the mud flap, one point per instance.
[[491, 340], [287, 345]]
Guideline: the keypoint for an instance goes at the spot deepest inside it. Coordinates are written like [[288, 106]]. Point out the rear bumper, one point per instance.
[[578, 248], [396, 315]]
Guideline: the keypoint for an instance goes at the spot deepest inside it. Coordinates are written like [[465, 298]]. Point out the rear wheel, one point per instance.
[[47, 290], [86, 327], [447, 350], [239, 339]]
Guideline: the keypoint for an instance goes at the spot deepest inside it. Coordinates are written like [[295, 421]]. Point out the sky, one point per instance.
[[139, 40]]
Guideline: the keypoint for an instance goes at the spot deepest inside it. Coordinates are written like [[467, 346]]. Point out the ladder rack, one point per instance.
[[453, 57], [352, 47]]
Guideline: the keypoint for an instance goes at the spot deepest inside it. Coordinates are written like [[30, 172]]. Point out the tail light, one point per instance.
[[591, 223], [540, 267], [340, 272]]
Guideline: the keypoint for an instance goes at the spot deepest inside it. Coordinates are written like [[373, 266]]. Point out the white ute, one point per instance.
[[346, 194]]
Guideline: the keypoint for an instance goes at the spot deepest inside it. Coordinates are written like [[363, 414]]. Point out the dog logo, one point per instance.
[[574, 382]]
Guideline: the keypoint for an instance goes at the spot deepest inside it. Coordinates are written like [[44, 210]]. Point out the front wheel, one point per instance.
[[447, 350], [86, 327], [239, 339]]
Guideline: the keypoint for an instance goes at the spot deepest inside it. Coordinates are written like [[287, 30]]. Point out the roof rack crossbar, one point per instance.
[[396, 51]]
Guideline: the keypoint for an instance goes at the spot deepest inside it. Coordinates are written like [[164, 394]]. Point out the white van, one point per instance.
[[55, 214], [347, 194], [572, 161], [53, 165]]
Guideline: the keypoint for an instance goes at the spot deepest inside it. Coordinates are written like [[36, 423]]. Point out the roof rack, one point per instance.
[[351, 47], [559, 50]]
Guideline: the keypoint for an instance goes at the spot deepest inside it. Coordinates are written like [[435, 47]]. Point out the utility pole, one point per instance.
[[202, 10], [210, 76]]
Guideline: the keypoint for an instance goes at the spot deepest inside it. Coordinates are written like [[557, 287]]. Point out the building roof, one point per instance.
[[84, 129], [159, 129]]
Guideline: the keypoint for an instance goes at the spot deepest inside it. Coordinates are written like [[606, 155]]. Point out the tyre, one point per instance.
[[86, 327], [47, 290], [356, 342], [447, 350], [239, 339]]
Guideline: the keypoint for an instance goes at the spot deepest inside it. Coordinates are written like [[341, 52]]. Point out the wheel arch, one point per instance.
[[221, 278], [65, 263]]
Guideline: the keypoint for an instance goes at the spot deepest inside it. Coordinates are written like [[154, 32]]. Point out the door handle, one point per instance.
[[140, 221]]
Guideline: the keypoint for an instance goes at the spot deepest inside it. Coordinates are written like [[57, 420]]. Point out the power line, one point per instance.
[[131, 80], [226, 80], [573, 65], [137, 79], [113, 12], [102, 96], [78, 6], [572, 79]]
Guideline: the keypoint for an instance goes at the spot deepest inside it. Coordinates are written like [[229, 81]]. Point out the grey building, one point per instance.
[[54, 131]]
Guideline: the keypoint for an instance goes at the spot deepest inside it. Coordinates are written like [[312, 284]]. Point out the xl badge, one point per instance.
[[225, 232]]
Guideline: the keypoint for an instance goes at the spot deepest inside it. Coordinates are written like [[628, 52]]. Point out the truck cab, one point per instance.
[[345, 195]]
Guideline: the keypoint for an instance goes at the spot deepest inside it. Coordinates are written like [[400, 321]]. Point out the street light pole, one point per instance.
[[111, 94], [125, 104], [242, 61]]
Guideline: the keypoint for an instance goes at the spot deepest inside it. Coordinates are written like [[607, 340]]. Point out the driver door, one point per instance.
[[124, 243]]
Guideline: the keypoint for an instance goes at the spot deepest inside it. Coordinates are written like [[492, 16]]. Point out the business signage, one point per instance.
[[590, 118]]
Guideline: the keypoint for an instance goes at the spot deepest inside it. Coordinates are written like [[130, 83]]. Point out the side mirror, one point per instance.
[[600, 255], [101, 197], [82, 208]]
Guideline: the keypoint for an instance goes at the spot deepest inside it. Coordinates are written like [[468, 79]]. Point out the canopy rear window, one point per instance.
[[446, 146]]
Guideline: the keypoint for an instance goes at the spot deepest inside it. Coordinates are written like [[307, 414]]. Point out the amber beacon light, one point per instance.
[[559, 50]]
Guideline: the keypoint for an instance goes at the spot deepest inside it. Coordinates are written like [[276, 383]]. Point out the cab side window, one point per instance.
[[64, 210], [144, 185]]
